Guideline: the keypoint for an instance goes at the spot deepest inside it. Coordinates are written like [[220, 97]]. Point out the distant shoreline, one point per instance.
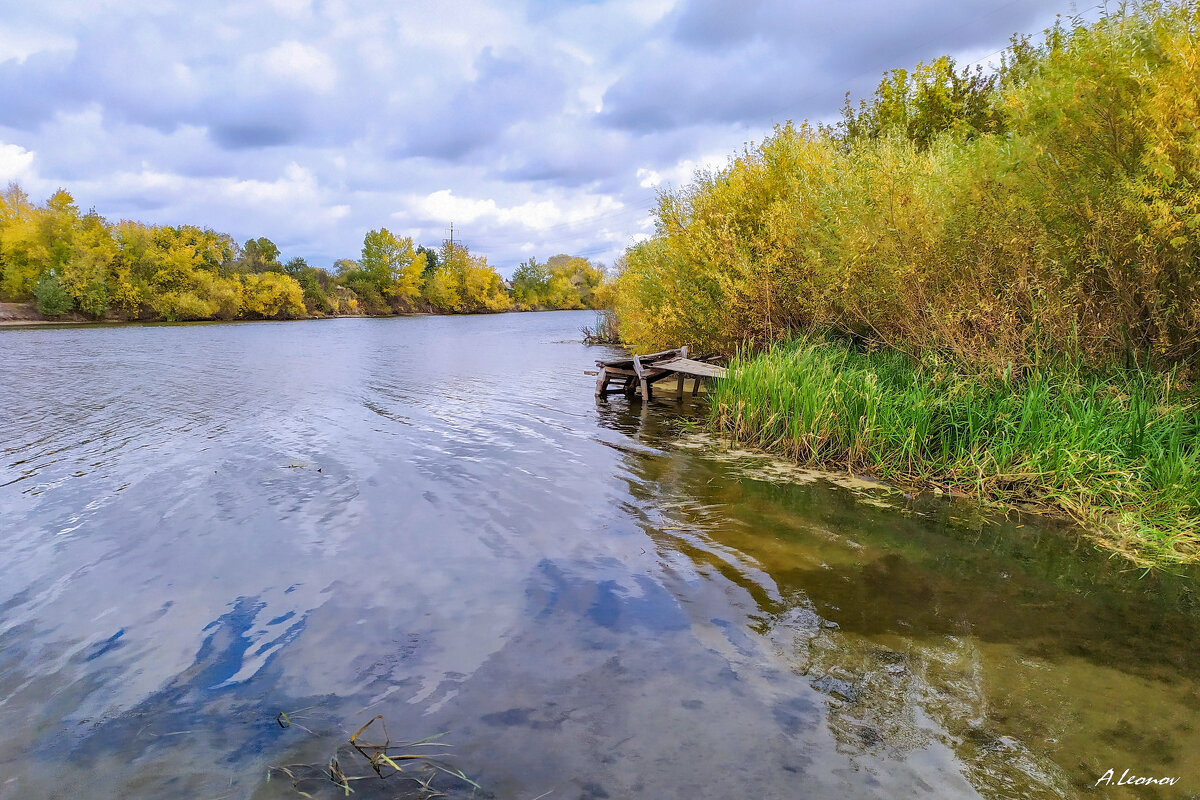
[[21, 315]]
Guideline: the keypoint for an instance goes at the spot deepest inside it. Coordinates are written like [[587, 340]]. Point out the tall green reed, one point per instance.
[[1118, 452]]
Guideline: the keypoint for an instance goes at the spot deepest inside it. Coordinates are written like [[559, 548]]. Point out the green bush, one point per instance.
[[52, 299]]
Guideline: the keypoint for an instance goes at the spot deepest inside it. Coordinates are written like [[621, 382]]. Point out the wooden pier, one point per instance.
[[642, 372]]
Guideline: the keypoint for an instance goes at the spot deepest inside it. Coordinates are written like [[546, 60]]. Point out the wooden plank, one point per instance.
[[646, 360], [693, 368], [659, 356], [624, 363], [601, 382]]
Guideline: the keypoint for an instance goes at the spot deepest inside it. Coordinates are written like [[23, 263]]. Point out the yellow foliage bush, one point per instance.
[[270, 295], [1068, 224]]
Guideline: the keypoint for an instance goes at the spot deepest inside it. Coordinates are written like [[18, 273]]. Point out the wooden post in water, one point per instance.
[[679, 376], [602, 382], [641, 374]]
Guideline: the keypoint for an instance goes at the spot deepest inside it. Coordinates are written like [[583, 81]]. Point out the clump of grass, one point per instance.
[[605, 331], [1119, 452], [408, 762]]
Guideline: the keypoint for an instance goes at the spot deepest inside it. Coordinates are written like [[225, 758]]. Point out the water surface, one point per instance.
[[432, 519]]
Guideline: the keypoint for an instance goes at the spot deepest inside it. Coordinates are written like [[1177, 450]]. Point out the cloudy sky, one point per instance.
[[534, 126]]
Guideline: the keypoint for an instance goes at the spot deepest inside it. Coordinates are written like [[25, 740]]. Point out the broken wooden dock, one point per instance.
[[642, 372]]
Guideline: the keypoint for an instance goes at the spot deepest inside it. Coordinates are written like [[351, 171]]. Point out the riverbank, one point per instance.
[[1119, 453], [19, 315]]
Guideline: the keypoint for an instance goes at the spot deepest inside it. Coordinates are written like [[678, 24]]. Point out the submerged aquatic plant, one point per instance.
[[407, 763]]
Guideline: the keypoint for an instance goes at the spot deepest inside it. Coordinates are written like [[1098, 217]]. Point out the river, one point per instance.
[[207, 527]]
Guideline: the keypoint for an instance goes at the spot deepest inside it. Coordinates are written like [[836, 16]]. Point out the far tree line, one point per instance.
[[64, 261]]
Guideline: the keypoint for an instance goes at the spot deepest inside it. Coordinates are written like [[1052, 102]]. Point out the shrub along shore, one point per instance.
[[983, 282]]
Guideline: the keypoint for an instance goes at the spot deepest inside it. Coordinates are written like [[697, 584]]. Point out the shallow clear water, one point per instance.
[[432, 519]]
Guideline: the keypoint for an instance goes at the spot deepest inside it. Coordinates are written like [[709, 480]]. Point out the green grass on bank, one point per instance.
[[1120, 453]]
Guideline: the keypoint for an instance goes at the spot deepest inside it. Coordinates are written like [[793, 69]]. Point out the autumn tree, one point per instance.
[[465, 283], [259, 255], [573, 281], [393, 265], [530, 284], [921, 103], [431, 259], [24, 255]]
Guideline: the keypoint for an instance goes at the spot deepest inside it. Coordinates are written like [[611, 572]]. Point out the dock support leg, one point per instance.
[[695, 386], [641, 375], [602, 382], [679, 386]]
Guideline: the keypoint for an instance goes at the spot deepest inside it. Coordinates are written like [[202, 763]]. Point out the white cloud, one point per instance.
[[683, 171], [649, 11], [537, 215], [294, 9], [16, 163], [18, 44], [296, 184], [296, 63]]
